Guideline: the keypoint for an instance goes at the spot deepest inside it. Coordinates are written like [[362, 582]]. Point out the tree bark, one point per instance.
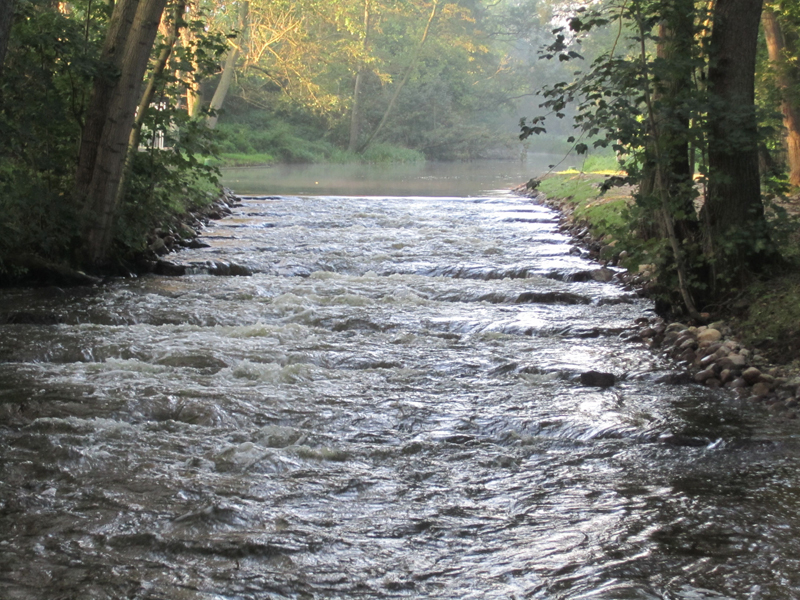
[[193, 99], [6, 19], [110, 116], [177, 21], [733, 211], [355, 113], [786, 79], [228, 70], [668, 174]]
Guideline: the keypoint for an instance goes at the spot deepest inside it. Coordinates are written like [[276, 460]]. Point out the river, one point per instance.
[[390, 407]]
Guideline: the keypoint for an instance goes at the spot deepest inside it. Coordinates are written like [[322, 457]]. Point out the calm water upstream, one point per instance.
[[388, 408]]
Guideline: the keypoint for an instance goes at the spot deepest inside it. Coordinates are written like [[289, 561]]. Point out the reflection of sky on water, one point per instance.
[[426, 179]]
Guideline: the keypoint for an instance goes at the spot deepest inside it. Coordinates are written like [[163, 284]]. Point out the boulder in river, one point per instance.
[[751, 375], [598, 379]]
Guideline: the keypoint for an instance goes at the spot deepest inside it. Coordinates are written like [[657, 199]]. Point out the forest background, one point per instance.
[[114, 116]]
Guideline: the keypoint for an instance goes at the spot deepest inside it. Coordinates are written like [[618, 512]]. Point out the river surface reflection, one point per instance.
[[422, 179], [389, 407]]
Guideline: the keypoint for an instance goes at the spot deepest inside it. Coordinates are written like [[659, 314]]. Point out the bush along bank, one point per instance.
[[712, 355], [181, 230]]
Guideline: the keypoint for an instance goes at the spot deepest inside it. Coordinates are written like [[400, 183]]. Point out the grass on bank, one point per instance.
[[580, 191], [263, 140]]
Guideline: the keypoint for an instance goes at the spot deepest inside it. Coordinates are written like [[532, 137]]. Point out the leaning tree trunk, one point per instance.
[[228, 70], [787, 80], [355, 113], [177, 21], [733, 213], [110, 116]]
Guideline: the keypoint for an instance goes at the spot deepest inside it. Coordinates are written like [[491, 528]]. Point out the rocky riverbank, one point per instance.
[[715, 358], [712, 354], [183, 232]]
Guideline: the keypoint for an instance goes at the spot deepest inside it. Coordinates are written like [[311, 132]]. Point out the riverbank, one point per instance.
[[181, 230], [752, 347]]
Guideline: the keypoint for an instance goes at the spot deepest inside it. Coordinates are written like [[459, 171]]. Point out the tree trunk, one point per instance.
[[403, 81], [787, 80], [355, 113], [110, 116], [670, 125], [667, 175], [6, 18], [733, 213], [193, 99], [177, 21], [228, 70]]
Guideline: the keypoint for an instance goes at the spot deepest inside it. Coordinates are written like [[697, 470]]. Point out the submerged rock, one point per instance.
[[29, 318], [603, 275], [211, 267], [598, 379], [165, 267], [677, 439], [36, 271]]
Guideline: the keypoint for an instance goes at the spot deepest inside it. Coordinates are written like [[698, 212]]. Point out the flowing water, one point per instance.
[[389, 407]]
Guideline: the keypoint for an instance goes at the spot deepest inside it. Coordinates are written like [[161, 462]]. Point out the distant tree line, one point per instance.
[[443, 77], [108, 109]]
